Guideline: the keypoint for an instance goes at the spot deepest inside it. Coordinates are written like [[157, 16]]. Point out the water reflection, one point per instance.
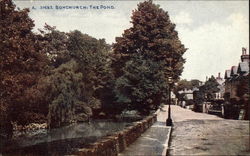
[[61, 140]]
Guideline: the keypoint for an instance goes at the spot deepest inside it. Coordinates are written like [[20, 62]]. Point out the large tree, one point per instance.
[[152, 35], [63, 91], [152, 38], [56, 44], [209, 89], [92, 57], [79, 71], [21, 62]]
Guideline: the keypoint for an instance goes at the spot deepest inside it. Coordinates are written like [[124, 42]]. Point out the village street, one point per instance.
[[203, 134], [192, 134]]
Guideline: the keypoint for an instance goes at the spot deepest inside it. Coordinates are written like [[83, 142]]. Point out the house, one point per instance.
[[235, 75], [237, 87], [243, 69], [188, 94], [188, 97]]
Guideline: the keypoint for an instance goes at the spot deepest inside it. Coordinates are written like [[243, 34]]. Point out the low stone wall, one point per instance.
[[117, 142]]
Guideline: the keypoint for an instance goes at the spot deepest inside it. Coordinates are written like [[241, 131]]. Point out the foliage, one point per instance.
[[195, 83], [92, 57], [145, 56], [22, 62], [210, 88], [63, 77], [94, 62], [199, 97], [185, 84], [181, 85], [56, 44], [154, 37], [142, 85], [80, 68], [65, 96], [52, 74]]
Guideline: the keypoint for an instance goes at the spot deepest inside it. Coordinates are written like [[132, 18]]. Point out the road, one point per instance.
[[203, 134]]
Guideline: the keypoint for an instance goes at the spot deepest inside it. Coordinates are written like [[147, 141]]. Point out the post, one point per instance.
[[169, 120]]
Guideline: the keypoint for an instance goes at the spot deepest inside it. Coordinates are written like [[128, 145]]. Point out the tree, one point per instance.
[[142, 85], [181, 85], [22, 62], [209, 88], [92, 56], [150, 44], [195, 83], [154, 37], [56, 44], [80, 69], [64, 94], [204, 92], [185, 84]]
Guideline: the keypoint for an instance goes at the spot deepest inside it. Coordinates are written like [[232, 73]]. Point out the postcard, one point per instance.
[[124, 77]]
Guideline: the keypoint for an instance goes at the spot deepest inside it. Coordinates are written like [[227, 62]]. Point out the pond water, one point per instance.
[[59, 141]]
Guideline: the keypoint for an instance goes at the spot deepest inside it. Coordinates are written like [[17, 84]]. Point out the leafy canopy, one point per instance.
[[145, 56]]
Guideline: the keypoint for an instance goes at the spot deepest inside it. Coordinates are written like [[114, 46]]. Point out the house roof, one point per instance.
[[234, 70], [186, 91], [243, 67], [227, 74]]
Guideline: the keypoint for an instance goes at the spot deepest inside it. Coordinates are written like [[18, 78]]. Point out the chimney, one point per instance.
[[244, 56], [244, 51], [219, 75]]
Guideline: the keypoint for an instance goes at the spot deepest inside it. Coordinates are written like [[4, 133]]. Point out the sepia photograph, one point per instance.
[[124, 78]]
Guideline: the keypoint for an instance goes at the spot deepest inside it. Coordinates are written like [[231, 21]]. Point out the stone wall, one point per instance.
[[117, 142]]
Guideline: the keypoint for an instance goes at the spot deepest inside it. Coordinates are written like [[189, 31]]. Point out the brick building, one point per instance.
[[234, 76], [237, 89]]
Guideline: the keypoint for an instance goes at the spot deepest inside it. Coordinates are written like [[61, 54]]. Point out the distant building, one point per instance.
[[188, 93], [219, 95], [236, 74]]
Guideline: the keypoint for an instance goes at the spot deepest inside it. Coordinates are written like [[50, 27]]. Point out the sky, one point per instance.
[[213, 31]]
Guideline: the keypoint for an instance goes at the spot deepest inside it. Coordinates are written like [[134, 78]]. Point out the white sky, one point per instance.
[[213, 31]]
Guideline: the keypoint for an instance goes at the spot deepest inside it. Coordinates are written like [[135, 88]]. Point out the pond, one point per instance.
[[59, 141]]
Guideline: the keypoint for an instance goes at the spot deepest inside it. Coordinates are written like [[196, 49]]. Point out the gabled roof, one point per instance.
[[227, 74], [234, 71], [243, 68]]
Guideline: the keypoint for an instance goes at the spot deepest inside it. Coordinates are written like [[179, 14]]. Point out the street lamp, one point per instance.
[[169, 120]]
